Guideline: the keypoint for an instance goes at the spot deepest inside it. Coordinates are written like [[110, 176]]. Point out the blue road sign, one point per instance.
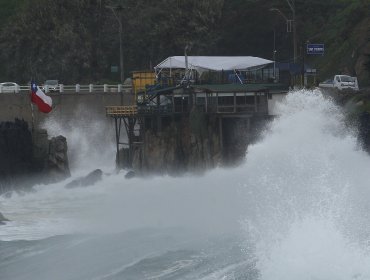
[[317, 49]]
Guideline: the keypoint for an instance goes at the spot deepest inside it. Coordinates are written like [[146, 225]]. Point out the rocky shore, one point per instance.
[[28, 157], [192, 144]]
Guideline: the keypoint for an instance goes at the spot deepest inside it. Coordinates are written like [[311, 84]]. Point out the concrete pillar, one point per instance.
[[46, 89], [105, 88], [78, 87], [1, 88], [91, 87], [61, 88], [119, 87]]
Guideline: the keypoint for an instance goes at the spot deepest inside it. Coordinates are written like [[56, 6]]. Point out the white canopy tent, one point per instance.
[[202, 64], [213, 63]]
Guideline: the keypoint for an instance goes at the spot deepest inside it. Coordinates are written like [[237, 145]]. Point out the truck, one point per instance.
[[341, 82]]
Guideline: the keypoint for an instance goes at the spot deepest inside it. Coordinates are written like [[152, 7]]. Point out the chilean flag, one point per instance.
[[43, 102]]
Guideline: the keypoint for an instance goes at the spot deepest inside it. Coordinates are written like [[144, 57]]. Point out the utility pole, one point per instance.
[[117, 12]]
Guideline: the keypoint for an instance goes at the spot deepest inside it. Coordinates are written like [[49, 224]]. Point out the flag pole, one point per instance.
[[32, 112], [33, 118]]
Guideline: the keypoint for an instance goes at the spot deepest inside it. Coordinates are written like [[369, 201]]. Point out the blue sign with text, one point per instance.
[[315, 49]]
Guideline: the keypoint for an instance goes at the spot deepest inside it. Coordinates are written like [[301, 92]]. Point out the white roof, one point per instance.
[[215, 63]]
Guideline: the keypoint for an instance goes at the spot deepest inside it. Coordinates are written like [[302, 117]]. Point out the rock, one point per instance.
[[3, 219], [131, 174], [89, 180], [58, 165], [15, 149]]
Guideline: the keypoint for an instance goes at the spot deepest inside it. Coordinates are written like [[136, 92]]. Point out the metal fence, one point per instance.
[[61, 88]]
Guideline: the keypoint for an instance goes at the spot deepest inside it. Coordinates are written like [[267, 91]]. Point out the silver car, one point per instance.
[[51, 86], [9, 87]]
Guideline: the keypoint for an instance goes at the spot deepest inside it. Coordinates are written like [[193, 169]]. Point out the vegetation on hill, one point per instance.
[[77, 40]]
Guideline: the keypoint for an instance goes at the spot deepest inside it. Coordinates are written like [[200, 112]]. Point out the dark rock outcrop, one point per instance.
[[187, 145], [191, 143], [57, 163], [131, 174], [15, 149], [29, 157], [89, 180], [3, 219]]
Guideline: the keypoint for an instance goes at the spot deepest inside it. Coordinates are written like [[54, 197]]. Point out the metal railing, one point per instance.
[[61, 88], [121, 110]]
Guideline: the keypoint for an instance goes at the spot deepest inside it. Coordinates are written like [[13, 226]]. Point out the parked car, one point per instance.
[[341, 82], [51, 86], [9, 87]]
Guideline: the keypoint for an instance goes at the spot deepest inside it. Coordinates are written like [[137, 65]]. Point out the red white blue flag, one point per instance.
[[43, 102]]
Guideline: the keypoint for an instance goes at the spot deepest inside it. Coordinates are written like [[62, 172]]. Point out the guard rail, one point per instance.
[[61, 88]]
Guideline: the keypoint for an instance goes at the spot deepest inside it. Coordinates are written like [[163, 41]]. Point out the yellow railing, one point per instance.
[[121, 110]]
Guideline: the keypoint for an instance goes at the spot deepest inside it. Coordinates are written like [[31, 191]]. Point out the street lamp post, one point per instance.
[[274, 56], [114, 10], [290, 25], [291, 4]]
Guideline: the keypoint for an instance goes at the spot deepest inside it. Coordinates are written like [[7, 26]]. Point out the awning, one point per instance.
[[213, 63]]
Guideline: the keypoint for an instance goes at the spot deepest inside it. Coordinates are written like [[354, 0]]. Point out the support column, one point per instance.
[[234, 102], [221, 133], [255, 102], [117, 141]]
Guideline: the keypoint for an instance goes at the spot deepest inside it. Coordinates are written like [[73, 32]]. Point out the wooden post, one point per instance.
[[117, 143]]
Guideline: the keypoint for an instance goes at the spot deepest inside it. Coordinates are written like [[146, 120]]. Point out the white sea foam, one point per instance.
[[308, 194], [302, 197]]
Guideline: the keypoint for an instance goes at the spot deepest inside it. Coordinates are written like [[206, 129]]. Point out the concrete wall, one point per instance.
[[65, 106]]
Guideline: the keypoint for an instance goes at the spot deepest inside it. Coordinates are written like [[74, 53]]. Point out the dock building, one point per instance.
[[214, 99]]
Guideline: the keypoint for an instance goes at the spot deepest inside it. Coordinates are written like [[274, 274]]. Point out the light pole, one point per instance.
[[274, 56], [290, 25], [291, 4], [114, 10]]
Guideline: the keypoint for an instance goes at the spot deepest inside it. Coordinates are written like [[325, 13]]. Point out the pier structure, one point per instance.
[[176, 93]]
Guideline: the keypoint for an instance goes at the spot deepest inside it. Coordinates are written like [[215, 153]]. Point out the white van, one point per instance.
[[341, 82]]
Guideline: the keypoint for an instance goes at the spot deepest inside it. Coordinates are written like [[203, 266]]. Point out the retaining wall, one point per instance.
[[65, 106]]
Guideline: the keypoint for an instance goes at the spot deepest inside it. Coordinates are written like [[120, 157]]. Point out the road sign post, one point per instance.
[[315, 49]]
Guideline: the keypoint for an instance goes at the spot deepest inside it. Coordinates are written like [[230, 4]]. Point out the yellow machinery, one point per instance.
[[140, 79]]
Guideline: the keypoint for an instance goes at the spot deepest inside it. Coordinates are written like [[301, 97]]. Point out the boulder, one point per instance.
[[3, 219], [88, 180], [58, 166], [131, 174]]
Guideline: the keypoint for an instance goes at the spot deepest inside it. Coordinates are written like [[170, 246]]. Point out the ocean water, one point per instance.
[[297, 208]]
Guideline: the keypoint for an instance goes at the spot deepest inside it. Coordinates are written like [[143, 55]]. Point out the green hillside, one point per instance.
[[77, 40], [8, 9]]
